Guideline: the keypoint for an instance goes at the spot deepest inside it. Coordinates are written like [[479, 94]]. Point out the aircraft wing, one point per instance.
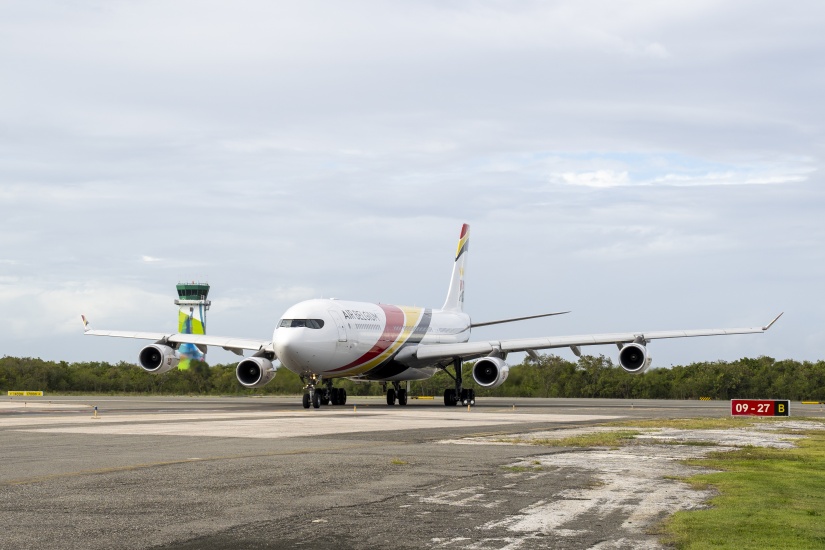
[[232, 344], [471, 350]]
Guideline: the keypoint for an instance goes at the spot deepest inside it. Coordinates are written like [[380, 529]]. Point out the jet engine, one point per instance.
[[158, 358], [490, 372], [254, 372], [633, 358]]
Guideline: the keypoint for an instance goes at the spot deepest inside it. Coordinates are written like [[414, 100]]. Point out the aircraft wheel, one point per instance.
[[402, 397], [343, 398], [335, 396], [391, 397], [306, 400], [325, 399], [316, 400], [472, 397], [449, 397]]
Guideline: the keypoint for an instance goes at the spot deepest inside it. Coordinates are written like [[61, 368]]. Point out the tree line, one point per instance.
[[550, 376]]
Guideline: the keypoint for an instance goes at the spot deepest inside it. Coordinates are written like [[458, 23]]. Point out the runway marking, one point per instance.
[[39, 405], [284, 425]]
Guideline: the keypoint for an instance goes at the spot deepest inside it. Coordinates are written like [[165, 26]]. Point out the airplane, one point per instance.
[[325, 339]]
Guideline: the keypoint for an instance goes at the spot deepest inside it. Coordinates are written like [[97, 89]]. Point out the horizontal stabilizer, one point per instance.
[[500, 321]]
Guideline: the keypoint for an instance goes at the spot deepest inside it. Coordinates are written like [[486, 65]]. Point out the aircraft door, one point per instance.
[[339, 323]]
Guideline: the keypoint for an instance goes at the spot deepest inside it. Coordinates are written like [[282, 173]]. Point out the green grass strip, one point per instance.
[[769, 498], [597, 439]]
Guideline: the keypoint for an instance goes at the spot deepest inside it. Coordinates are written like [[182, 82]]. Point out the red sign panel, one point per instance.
[[759, 407]]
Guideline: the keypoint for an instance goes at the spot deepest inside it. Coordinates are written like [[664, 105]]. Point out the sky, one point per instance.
[[647, 165]]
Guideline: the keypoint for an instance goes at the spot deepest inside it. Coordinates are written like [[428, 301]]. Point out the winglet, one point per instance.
[[86, 326], [775, 319]]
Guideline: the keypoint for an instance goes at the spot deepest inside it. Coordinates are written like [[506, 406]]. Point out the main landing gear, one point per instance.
[[459, 394], [396, 392], [322, 396]]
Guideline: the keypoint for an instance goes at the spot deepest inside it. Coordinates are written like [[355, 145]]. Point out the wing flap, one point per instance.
[[177, 338], [222, 341], [128, 334], [443, 351], [470, 350]]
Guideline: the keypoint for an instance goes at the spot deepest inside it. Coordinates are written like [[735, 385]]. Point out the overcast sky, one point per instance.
[[647, 165]]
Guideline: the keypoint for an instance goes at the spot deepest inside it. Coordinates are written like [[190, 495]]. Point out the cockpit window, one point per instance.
[[308, 323]]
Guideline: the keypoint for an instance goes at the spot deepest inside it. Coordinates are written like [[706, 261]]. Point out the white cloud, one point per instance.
[[33, 312], [599, 178], [599, 149]]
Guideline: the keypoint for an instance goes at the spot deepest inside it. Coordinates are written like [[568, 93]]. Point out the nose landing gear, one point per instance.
[[311, 396], [316, 396]]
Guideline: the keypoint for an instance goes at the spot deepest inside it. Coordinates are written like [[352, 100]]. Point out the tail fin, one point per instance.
[[455, 296], [191, 322]]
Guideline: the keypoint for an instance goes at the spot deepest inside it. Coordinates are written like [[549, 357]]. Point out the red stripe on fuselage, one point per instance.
[[392, 328]]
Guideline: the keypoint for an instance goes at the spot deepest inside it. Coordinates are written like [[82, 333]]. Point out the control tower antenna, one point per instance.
[[193, 305]]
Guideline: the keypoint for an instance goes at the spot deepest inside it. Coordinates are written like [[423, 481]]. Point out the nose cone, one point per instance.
[[304, 349]]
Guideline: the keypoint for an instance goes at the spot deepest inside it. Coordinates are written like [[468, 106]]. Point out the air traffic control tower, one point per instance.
[[193, 306]]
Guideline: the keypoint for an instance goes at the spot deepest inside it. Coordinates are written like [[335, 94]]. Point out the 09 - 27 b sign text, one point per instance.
[[760, 407]]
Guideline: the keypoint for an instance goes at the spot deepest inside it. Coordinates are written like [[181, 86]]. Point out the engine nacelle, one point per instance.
[[633, 358], [158, 358], [490, 372], [254, 372]]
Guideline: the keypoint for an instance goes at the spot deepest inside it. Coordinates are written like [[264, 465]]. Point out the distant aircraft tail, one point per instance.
[[191, 322], [455, 296]]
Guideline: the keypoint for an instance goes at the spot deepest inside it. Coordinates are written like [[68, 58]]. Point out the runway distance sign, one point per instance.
[[760, 407]]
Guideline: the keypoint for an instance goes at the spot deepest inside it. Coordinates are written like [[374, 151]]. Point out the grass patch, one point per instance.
[[398, 462], [653, 441], [597, 439], [723, 423], [768, 498]]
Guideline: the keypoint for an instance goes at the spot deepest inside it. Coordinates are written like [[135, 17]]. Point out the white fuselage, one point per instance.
[[336, 338]]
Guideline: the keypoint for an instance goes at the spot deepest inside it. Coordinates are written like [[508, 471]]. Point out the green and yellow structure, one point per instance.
[[192, 305]]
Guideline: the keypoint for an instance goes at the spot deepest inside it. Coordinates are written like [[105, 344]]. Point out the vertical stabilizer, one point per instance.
[[192, 319], [455, 296]]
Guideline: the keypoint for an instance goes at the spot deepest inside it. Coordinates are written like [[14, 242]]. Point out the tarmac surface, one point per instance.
[[207, 473]]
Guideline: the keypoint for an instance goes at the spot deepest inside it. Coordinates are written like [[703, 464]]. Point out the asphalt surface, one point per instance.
[[186, 473]]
